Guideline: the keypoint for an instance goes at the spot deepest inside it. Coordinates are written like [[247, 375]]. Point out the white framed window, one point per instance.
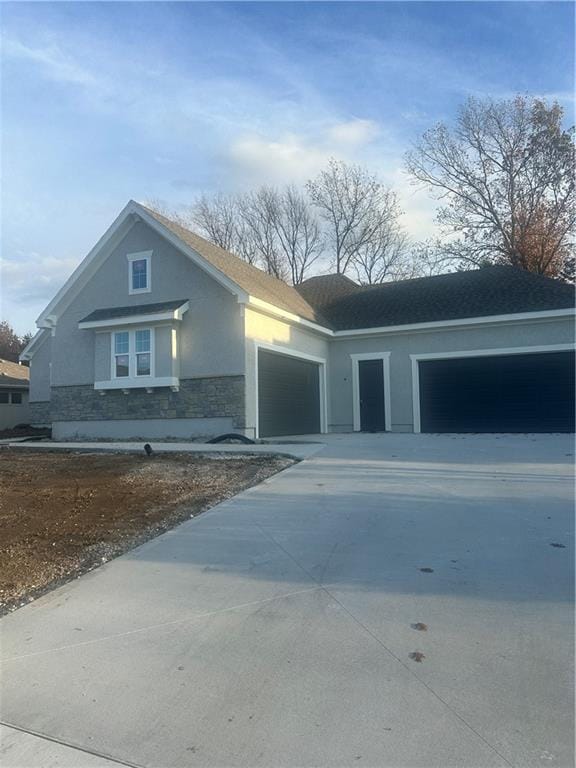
[[139, 272], [133, 353]]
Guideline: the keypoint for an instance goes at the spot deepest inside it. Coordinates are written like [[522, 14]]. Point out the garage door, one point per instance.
[[288, 395], [508, 393]]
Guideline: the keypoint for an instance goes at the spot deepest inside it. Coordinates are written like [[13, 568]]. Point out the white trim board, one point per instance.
[[140, 256], [39, 337], [116, 322], [355, 358], [289, 352], [439, 325], [497, 352]]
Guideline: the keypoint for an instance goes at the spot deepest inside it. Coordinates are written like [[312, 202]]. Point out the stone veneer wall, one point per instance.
[[40, 413], [221, 397]]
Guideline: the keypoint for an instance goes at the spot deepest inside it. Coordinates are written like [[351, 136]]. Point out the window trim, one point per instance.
[[140, 256], [133, 375]]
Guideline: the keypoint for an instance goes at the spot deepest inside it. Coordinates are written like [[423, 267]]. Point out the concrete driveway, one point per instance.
[[277, 629]]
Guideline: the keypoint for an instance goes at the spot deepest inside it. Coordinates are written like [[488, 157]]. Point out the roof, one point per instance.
[[323, 290], [113, 313], [13, 374], [498, 290], [254, 281]]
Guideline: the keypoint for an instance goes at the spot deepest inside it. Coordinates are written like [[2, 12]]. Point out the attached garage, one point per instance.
[[289, 400], [497, 393]]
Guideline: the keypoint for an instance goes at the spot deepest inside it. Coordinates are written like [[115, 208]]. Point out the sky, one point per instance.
[[104, 102]]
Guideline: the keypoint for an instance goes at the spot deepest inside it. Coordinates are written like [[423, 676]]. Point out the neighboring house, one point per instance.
[[14, 384], [159, 333]]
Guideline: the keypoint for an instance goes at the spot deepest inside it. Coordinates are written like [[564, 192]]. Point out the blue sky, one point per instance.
[[102, 102]]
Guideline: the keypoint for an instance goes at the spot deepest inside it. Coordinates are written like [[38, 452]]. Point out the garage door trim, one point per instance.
[[289, 352], [498, 351]]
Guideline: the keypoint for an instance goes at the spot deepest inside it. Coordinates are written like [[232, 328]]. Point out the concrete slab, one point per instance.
[[277, 628], [22, 750]]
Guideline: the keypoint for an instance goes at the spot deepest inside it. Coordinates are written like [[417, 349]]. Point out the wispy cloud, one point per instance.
[[51, 61]]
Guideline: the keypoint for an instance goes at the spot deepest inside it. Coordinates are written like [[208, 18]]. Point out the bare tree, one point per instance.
[[507, 173], [219, 219], [273, 229], [259, 212], [384, 256], [355, 208], [298, 232]]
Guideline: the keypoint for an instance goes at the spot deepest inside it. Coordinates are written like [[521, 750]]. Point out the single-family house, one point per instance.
[[14, 383], [162, 334]]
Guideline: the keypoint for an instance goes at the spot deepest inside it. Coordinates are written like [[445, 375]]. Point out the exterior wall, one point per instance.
[[211, 332], [260, 328], [403, 344], [12, 414], [40, 370], [202, 403], [40, 414], [141, 429]]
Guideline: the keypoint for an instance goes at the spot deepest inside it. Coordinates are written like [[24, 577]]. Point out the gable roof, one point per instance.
[[498, 290], [331, 303], [13, 374], [252, 280]]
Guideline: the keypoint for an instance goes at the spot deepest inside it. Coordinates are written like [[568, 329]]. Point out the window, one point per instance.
[[139, 274], [4, 397], [16, 398], [132, 353], [142, 339], [139, 277], [122, 354]]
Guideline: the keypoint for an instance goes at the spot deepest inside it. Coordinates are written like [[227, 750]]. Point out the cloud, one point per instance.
[[33, 277], [290, 158], [354, 132], [52, 61]]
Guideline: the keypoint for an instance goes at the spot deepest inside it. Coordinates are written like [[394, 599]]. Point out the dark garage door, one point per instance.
[[508, 393], [288, 395]]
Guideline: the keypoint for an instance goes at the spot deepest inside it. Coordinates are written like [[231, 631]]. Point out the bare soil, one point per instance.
[[62, 514]]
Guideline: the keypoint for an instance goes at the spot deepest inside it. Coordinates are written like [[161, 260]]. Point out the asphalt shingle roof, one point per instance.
[[113, 313], [338, 303], [498, 290], [13, 375], [251, 279]]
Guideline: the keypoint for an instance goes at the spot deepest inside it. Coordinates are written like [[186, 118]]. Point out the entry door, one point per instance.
[[371, 390]]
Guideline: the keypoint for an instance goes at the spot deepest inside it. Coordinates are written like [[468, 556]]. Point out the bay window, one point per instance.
[[132, 353]]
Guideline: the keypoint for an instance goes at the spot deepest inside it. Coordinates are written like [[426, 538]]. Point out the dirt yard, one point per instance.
[[62, 514]]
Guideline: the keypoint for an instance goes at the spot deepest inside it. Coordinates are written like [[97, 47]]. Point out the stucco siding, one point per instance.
[[402, 345], [211, 333], [40, 370], [12, 414], [260, 328]]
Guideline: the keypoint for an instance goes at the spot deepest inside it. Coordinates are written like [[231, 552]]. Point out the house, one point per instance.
[[14, 383], [160, 333]]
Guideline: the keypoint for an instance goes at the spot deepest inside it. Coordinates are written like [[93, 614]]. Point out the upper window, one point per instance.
[[139, 277]]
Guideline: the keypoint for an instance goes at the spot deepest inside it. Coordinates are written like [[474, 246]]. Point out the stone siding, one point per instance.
[[40, 413], [221, 397]]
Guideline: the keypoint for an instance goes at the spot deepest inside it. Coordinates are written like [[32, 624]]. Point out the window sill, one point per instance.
[[143, 382]]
